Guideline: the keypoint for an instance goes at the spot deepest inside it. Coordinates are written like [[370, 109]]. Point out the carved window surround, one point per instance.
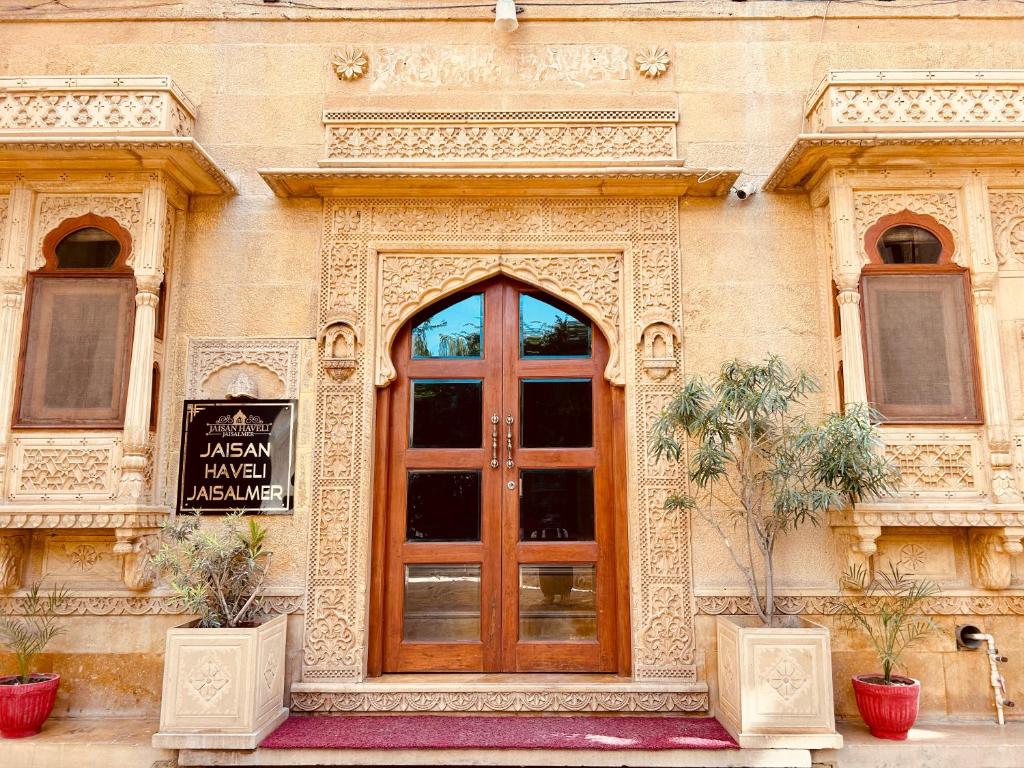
[[870, 118]]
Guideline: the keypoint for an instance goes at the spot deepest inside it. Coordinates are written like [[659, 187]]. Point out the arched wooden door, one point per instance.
[[499, 549]]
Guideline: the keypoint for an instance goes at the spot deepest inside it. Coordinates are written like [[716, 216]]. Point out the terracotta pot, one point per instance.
[[25, 707], [888, 710]]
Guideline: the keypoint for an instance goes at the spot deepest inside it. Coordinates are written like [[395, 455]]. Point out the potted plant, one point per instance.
[[223, 685], [887, 702], [26, 699], [759, 469]]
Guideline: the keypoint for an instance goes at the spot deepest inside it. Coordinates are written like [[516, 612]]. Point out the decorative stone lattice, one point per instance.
[[602, 256], [44, 469], [949, 467]]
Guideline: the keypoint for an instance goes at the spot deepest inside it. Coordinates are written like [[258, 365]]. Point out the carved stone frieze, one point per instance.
[[501, 701], [383, 260], [64, 468], [823, 605], [869, 207], [214, 363], [140, 605], [1007, 211], [32, 106], [611, 135], [51, 210]]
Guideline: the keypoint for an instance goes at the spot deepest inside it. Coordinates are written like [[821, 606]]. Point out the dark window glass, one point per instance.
[[556, 413], [905, 244], [443, 506], [454, 330], [549, 328], [919, 352], [89, 248], [446, 414], [556, 505]]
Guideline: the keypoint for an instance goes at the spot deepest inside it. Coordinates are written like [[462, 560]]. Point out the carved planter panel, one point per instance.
[[223, 688]]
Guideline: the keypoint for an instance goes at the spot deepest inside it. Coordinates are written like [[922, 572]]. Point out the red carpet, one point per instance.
[[520, 732]]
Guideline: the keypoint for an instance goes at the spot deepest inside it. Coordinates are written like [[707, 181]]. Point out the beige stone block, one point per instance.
[[222, 688]]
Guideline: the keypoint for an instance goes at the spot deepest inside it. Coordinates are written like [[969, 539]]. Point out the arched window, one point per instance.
[[918, 328], [77, 334]]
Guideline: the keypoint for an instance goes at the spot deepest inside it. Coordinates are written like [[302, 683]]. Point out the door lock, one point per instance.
[[511, 485]]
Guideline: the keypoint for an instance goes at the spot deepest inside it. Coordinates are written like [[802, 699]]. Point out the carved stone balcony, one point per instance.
[[107, 123], [867, 118]]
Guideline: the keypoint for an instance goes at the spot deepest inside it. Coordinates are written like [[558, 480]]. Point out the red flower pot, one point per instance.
[[888, 710], [25, 707]]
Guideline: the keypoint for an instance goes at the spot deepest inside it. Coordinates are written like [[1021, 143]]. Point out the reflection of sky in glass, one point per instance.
[[539, 324], [455, 331]]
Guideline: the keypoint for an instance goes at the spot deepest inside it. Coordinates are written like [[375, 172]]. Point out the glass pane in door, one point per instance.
[[556, 413], [442, 603], [443, 506], [548, 328], [557, 602], [446, 414], [455, 330], [556, 505]]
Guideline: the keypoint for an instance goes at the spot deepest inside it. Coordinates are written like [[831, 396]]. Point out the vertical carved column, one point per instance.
[[12, 299], [148, 266], [997, 416]]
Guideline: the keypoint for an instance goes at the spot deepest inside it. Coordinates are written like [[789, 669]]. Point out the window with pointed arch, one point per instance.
[[919, 345], [77, 331]]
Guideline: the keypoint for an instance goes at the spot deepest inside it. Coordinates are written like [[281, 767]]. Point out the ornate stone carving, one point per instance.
[[858, 545], [51, 210], [350, 64], [84, 559], [653, 62], [13, 548], [823, 605], [93, 106], [917, 101], [138, 605], [213, 363], [415, 67], [396, 256], [138, 572], [340, 342], [501, 701], [659, 344], [612, 135], [1007, 211], [992, 550], [938, 465], [869, 207], [47, 468]]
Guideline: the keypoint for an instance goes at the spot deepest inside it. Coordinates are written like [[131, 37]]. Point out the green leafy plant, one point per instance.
[[216, 571], [759, 468], [27, 636], [886, 612]]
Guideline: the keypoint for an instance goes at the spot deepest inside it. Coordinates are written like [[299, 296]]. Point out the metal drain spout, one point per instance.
[[971, 638]]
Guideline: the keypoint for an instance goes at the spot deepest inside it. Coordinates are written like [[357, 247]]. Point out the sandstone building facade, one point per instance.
[[285, 200]]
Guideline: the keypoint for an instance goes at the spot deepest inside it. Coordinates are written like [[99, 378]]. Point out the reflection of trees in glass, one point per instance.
[[564, 336], [464, 343]]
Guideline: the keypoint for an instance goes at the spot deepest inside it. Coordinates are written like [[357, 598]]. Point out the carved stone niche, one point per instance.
[[658, 339], [268, 367], [992, 552], [13, 549], [340, 338]]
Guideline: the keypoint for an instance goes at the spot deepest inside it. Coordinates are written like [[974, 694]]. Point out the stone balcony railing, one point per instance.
[[94, 106], [917, 101]]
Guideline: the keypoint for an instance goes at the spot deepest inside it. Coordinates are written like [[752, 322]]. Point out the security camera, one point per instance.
[[743, 191]]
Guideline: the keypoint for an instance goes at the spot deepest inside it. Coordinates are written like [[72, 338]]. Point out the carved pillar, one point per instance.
[[148, 266], [854, 378], [992, 550], [12, 299], [13, 547]]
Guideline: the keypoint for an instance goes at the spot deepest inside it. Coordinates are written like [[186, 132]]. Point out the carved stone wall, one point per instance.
[[943, 206], [51, 210], [1008, 227], [273, 364], [381, 261]]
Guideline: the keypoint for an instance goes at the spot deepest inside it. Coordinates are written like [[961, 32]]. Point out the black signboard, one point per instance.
[[237, 455]]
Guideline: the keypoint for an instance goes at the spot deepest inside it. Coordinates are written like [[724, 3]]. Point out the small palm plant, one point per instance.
[[27, 636], [886, 613], [217, 572]]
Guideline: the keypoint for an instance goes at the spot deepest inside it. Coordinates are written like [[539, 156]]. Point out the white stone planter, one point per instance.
[[223, 688], [775, 683]]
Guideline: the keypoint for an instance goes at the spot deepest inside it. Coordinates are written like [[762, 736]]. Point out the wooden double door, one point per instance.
[[499, 551]]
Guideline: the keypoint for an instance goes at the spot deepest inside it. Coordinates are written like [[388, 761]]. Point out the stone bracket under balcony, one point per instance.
[[906, 119]]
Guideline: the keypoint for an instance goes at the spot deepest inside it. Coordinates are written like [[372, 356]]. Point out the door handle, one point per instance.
[[494, 440], [509, 463]]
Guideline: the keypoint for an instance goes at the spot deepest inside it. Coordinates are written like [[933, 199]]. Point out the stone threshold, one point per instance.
[[500, 693], [88, 742]]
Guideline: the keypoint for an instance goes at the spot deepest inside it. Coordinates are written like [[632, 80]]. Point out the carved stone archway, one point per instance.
[[382, 259]]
